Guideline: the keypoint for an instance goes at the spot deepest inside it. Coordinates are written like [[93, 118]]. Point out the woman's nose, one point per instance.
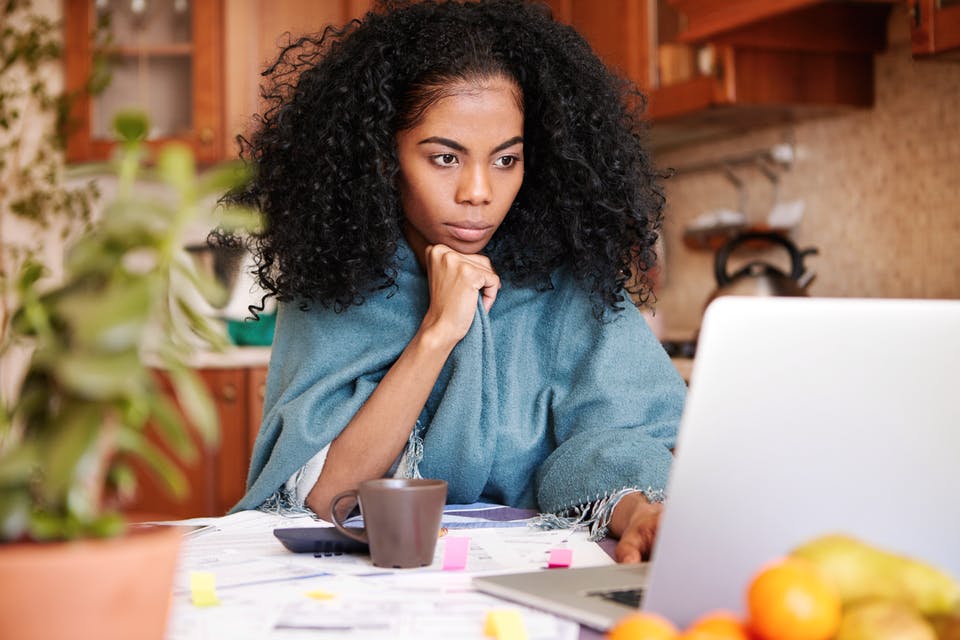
[[474, 186]]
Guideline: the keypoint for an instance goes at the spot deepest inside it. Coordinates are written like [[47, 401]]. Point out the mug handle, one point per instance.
[[358, 534]]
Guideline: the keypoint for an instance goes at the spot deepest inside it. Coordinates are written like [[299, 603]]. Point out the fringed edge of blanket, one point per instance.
[[409, 463], [283, 502], [286, 501], [595, 515]]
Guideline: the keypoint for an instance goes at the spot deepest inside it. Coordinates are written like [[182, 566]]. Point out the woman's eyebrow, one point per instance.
[[509, 143], [447, 142], [456, 146]]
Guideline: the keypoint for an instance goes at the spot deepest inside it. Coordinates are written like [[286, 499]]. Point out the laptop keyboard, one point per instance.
[[628, 597]]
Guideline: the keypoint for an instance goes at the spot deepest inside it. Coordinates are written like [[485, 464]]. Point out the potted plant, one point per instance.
[[39, 209], [67, 439]]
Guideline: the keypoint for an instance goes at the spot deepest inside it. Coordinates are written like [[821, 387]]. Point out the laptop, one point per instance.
[[805, 416]]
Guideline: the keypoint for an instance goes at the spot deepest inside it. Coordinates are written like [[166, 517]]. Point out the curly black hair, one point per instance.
[[326, 164]]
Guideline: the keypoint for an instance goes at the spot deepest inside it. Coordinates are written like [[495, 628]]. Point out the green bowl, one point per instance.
[[253, 333]]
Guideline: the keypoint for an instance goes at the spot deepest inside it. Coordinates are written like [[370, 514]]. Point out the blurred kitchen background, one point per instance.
[[832, 111], [833, 124], [881, 187]]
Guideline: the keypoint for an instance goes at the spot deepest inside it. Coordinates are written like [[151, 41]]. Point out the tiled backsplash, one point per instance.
[[881, 187]]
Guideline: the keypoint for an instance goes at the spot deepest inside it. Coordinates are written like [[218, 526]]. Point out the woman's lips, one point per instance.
[[468, 233]]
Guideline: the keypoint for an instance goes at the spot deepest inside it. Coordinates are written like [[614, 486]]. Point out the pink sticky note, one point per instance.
[[560, 558], [455, 553]]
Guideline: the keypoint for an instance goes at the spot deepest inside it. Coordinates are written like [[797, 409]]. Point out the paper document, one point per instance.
[[267, 592]]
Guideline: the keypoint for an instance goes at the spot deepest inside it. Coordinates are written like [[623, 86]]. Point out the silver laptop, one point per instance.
[[805, 416]]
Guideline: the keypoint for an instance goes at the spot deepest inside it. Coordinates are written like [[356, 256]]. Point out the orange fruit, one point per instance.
[[716, 625], [643, 626], [789, 600], [701, 634]]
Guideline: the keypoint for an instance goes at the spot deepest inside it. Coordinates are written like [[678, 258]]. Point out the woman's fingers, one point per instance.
[[488, 282], [455, 281], [489, 292], [635, 522], [628, 550]]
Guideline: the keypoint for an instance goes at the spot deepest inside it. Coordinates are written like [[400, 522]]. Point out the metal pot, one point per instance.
[[759, 278]]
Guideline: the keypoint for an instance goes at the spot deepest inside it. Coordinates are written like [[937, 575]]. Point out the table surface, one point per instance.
[[263, 560]]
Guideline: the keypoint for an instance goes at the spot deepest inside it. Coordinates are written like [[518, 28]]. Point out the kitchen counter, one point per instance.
[[232, 358], [239, 357]]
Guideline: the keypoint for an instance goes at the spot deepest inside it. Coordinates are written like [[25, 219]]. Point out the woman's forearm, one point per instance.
[[376, 435]]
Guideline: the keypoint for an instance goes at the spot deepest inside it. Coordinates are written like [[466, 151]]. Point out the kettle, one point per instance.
[[758, 278]]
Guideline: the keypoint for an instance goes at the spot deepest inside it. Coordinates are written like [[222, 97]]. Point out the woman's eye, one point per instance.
[[444, 159], [506, 161]]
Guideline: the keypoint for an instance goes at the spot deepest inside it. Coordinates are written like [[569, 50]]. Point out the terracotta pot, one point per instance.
[[118, 588]]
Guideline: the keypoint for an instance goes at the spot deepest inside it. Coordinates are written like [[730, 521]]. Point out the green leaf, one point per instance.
[[176, 166], [48, 526], [195, 400], [136, 223], [91, 257], [123, 482], [113, 319], [131, 125], [208, 287], [30, 273], [236, 219], [201, 326], [33, 405], [156, 461], [107, 525], [172, 428], [223, 177], [14, 514], [134, 411], [18, 465], [101, 376], [73, 450]]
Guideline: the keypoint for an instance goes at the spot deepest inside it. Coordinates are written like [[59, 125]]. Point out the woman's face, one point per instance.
[[461, 167]]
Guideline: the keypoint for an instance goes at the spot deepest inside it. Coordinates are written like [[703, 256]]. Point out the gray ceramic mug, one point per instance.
[[401, 519]]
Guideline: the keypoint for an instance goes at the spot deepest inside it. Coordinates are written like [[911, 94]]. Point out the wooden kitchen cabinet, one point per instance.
[[618, 30], [217, 477], [193, 66], [255, 31], [164, 56], [934, 27], [752, 63], [708, 18]]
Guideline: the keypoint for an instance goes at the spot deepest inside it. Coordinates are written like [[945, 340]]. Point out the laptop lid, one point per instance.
[[807, 416]]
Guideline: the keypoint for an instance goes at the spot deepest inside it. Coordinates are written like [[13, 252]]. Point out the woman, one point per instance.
[[456, 201]]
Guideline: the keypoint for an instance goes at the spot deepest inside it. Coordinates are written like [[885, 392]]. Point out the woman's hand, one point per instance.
[[455, 281], [634, 522]]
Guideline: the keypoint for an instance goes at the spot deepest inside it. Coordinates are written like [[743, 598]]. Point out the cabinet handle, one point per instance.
[[229, 392], [262, 390], [206, 135]]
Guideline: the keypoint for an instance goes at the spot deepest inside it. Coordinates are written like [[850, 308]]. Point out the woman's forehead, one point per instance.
[[499, 89], [492, 106]]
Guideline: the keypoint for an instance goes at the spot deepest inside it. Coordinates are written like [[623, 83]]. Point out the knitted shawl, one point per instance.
[[540, 406]]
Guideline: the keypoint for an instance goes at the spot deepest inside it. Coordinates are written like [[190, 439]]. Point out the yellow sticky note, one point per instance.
[[317, 594], [505, 624], [202, 589]]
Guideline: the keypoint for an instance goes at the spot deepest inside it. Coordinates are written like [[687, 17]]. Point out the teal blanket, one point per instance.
[[539, 406]]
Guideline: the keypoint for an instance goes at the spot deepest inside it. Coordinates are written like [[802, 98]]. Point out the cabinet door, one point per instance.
[[217, 477], [620, 32], [708, 18], [229, 390], [934, 26], [164, 57], [152, 500], [257, 389], [254, 33]]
